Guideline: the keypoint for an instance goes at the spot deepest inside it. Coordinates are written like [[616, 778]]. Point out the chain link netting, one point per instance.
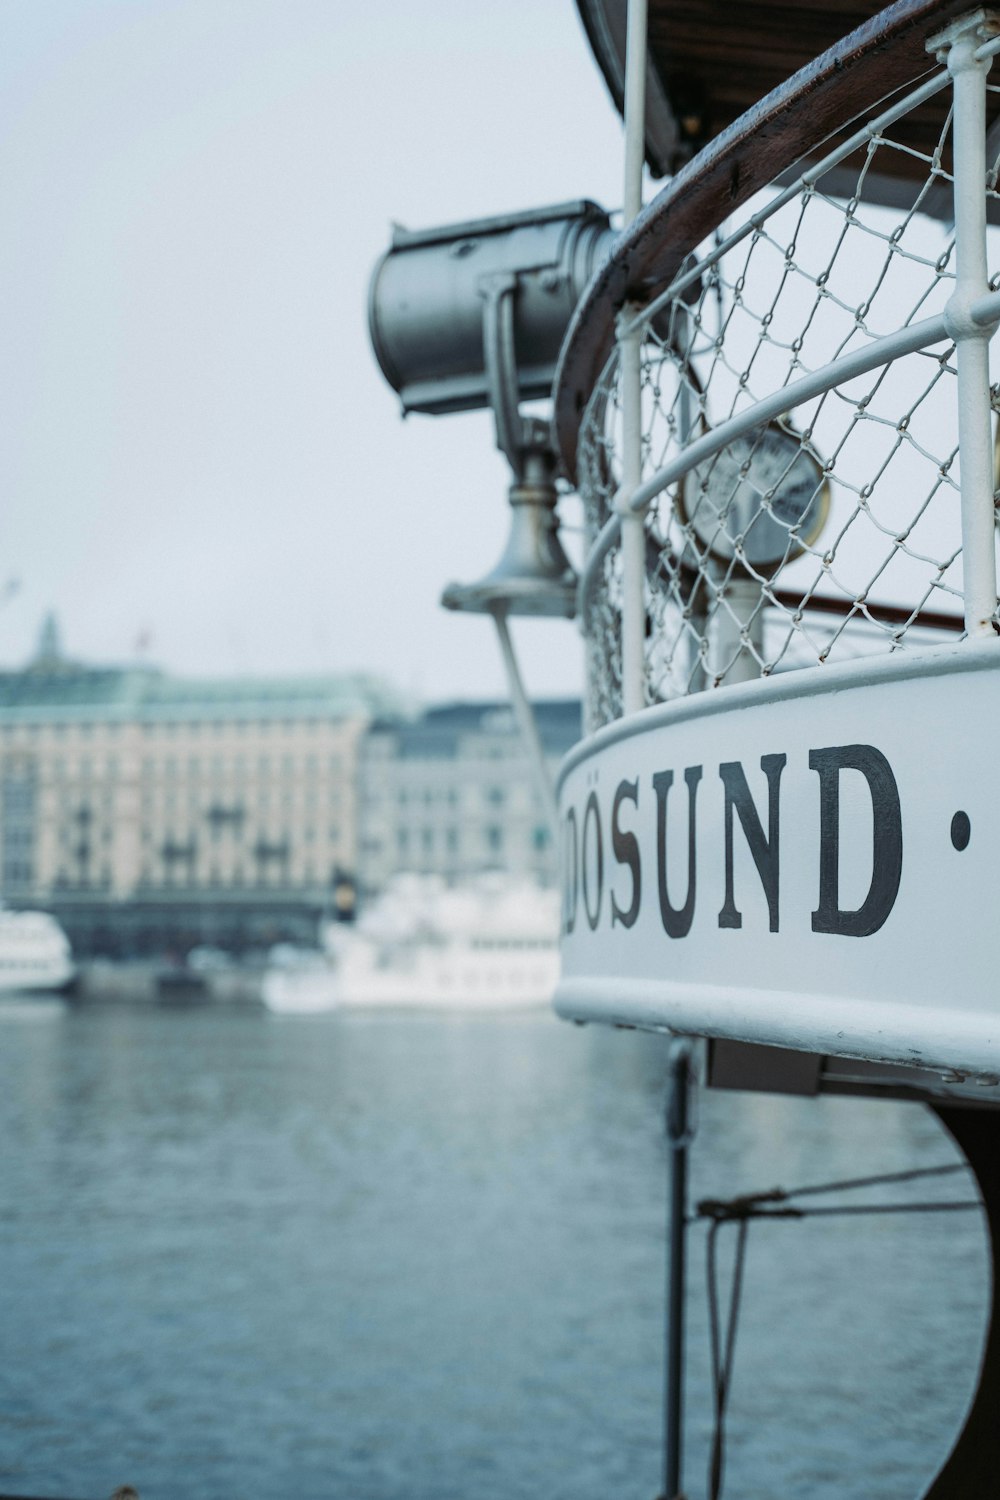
[[832, 531]]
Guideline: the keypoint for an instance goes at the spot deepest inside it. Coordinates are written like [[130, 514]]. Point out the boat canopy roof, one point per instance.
[[710, 64]]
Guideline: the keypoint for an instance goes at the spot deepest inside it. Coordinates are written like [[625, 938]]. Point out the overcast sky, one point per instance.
[[200, 464]]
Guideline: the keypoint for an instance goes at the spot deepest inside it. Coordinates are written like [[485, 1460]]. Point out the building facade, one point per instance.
[[147, 811], [452, 793], [150, 813]]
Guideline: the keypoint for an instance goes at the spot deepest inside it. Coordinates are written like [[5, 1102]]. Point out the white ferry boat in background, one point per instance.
[[489, 945], [35, 953]]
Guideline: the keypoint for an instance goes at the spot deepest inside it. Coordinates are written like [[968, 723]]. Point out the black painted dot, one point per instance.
[[961, 830]]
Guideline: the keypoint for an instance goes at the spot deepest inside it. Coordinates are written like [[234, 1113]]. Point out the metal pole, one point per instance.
[[968, 74], [679, 1131], [633, 527], [738, 613], [526, 723], [635, 106]]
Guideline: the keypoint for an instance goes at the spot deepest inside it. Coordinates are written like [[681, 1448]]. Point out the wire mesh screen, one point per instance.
[[833, 529]]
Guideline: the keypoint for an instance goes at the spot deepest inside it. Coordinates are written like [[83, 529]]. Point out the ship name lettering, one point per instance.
[[750, 808]]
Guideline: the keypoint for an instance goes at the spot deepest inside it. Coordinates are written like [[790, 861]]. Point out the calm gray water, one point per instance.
[[379, 1257]]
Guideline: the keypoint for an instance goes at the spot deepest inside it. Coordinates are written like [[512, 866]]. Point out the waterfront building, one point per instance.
[[148, 811], [452, 793]]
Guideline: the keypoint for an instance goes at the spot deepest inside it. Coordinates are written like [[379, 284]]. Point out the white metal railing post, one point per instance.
[[633, 523], [958, 47], [738, 635], [633, 527], [635, 107]]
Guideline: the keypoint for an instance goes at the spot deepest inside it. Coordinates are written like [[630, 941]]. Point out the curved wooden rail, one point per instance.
[[814, 107]]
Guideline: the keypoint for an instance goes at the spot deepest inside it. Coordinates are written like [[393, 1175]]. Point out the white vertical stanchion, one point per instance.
[[630, 345], [635, 107], [738, 637], [958, 47], [633, 522]]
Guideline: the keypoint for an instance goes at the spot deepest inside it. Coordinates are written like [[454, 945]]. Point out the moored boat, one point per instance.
[[491, 944], [35, 953], [777, 401]]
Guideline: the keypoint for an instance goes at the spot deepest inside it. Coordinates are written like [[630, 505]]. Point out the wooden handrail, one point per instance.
[[876, 61]]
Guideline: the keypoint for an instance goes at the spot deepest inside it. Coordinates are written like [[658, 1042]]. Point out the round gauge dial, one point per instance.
[[758, 489]]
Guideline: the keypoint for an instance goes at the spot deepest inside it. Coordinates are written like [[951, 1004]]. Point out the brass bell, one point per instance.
[[534, 576]]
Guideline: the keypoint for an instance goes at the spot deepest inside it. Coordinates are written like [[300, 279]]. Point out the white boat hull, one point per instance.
[[35, 955], [488, 946], [453, 982]]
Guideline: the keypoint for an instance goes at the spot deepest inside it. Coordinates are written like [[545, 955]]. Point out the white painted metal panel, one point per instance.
[[861, 799]]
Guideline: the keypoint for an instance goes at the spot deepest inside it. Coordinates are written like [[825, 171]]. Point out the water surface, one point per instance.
[[382, 1256]]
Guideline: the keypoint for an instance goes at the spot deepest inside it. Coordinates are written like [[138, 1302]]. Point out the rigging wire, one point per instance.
[[722, 1362], [774, 1204]]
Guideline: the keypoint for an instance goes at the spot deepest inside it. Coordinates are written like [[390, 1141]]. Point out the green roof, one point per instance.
[[62, 691]]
